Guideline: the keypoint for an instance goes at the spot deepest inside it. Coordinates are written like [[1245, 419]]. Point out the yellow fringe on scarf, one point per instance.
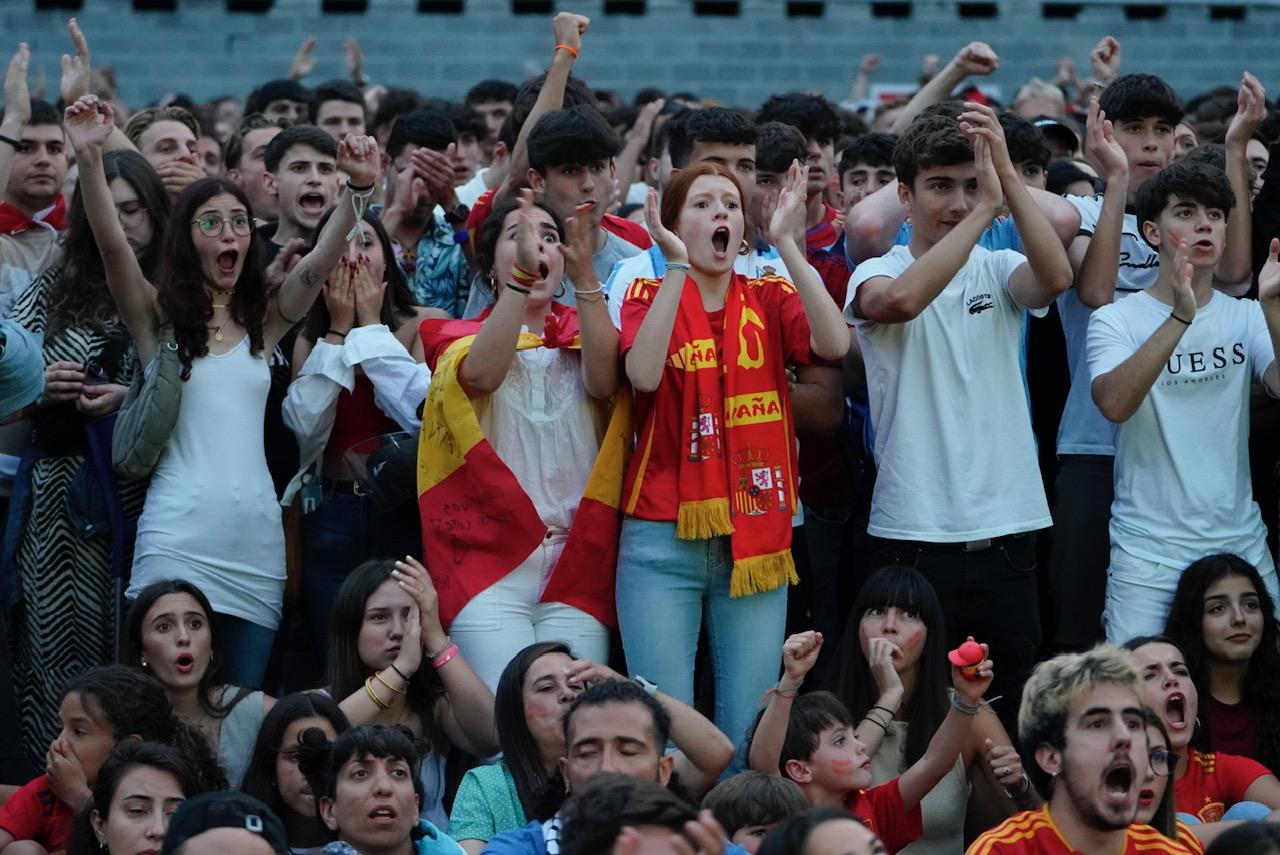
[[704, 519], [762, 573]]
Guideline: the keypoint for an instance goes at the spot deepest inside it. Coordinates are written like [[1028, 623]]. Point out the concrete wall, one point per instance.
[[202, 49]]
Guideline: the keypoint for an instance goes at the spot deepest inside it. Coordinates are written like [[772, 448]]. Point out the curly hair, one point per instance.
[[133, 704], [179, 286], [78, 295], [1185, 628]]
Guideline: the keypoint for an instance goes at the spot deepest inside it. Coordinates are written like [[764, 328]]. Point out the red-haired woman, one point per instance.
[[711, 487]]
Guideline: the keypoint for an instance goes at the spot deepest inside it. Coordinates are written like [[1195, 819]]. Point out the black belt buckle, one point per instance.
[[977, 545]]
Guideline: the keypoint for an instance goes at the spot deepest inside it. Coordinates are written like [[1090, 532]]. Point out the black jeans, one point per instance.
[[1081, 552], [989, 594]]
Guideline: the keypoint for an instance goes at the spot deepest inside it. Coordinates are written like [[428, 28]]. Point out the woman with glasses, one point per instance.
[[63, 559], [211, 516]]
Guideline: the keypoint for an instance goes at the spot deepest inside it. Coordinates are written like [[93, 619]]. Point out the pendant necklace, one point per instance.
[[217, 331]]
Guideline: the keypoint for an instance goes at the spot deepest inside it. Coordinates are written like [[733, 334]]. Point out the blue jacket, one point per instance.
[[529, 841]]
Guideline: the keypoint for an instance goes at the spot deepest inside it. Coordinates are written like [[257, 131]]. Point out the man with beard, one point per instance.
[[1081, 715]]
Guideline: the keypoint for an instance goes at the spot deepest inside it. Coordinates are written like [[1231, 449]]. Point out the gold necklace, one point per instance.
[[217, 332], [220, 305]]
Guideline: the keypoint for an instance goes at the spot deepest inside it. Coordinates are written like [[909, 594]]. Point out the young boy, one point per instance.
[[817, 119], [810, 740], [940, 322], [337, 108], [1081, 717], [1130, 135], [750, 804], [1172, 365], [866, 165], [166, 137], [302, 176], [243, 156]]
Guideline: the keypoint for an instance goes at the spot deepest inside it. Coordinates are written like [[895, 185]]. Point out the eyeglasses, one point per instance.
[[131, 214], [212, 226], [1161, 762]]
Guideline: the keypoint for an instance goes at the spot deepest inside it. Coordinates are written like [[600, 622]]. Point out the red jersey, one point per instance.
[[35, 813], [826, 232], [880, 809], [1214, 782], [661, 438], [632, 233], [1033, 832], [1188, 838]]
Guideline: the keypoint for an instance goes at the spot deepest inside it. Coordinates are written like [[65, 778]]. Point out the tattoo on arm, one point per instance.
[[307, 275]]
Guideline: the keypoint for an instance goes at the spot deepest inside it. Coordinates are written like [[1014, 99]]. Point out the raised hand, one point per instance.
[[1269, 276], [869, 63], [569, 29], [1251, 108], [17, 97], [67, 778], [304, 61], [177, 175], [586, 672], [645, 118], [1105, 59], [358, 157], [989, 190], [1102, 149], [527, 235], [367, 293], [799, 655], [436, 169], [787, 221], [339, 298], [1005, 764], [75, 69], [355, 59], [1184, 297], [880, 662], [88, 122], [976, 58], [673, 248], [416, 582], [579, 249], [973, 688]]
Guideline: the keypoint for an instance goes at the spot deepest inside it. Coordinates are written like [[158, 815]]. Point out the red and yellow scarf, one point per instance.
[[477, 522], [738, 475]]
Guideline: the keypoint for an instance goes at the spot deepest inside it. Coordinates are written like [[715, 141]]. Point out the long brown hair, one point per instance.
[[180, 287]]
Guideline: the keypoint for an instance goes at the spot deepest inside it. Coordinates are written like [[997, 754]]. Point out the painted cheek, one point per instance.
[[841, 767]]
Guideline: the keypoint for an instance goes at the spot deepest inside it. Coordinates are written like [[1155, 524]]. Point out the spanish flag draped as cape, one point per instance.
[[477, 523]]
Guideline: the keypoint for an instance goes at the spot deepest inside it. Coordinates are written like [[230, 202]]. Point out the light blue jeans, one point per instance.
[[665, 588]]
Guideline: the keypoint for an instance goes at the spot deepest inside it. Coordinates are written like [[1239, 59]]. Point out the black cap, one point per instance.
[[1050, 127], [282, 90], [224, 809]]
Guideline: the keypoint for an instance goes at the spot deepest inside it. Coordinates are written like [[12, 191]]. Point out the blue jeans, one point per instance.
[[665, 587], [241, 649]]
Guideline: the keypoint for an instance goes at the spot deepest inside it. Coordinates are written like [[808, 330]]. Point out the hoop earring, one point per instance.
[[744, 248], [560, 293]]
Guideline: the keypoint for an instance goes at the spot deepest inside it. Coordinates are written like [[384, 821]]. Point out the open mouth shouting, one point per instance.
[[1117, 781], [1175, 712], [720, 241], [184, 664], [312, 204], [227, 260]]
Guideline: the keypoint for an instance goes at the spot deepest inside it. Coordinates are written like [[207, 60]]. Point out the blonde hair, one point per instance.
[[1037, 88], [1055, 683]]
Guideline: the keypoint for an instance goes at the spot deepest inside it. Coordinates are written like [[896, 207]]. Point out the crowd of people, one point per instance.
[[544, 473]]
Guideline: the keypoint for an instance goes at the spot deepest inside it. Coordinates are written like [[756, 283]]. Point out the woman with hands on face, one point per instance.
[[356, 349], [89, 363], [893, 675], [537, 381], [710, 493], [390, 662], [210, 289]]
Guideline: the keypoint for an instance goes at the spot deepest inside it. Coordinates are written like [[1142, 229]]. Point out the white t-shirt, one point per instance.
[[953, 440], [1182, 460], [1083, 430]]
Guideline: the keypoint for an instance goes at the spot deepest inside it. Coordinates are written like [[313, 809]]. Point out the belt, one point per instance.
[[341, 488], [962, 546]]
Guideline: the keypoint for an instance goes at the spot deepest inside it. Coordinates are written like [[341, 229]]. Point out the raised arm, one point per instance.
[[949, 740], [894, 301], [89, 122], [1234, 273], [17, 108], [77, 73], [637, 140], [1269, 298], [828, 333], [973, 58], [799, 655], [489, 359], [568, 30], [1047, 272], [1120, 391], [599, 359], [703, 751], [862, 80], [358, 158], [648, 353], [1096, 258]]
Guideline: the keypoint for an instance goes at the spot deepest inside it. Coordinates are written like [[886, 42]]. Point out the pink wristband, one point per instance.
[[445, 657]]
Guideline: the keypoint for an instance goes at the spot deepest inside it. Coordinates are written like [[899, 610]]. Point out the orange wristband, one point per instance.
[[573, 52]]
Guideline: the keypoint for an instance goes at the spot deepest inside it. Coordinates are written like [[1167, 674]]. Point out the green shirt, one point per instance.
[[487, 804]]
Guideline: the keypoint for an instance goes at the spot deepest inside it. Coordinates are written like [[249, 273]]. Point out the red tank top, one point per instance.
[[357, 418]]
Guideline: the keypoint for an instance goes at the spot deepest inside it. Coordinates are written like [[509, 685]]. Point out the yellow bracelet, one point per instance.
[[378, 676], [379, 702]]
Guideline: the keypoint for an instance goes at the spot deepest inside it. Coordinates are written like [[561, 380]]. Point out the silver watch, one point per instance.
[[650, 688]]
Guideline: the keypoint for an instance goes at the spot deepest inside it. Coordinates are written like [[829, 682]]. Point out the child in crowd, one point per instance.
[[750, 804]]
